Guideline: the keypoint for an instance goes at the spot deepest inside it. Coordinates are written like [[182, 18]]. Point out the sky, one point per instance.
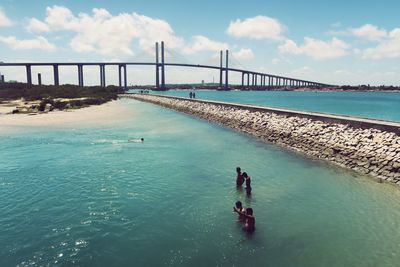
[[336, 42]]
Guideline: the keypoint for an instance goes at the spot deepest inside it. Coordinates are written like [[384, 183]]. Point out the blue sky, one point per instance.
[[339, 42]]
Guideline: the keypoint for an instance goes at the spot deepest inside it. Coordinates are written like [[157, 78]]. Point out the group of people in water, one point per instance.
[[241, 178], [192, 95], [245, 214]]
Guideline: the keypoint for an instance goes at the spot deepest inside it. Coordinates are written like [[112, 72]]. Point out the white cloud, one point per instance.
[[35, 25], [4, 20], [275, 61], [38, 43], [259, 27], [202, 43], [105, 34], [316, 49], [303, 71], [370, 32], [387, 48], [244, 54], [336, 24]]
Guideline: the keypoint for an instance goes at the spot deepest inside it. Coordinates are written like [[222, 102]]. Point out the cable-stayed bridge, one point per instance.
[[249, 79]]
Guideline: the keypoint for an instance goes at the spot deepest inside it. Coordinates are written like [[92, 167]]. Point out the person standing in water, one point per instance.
[[240, 210], [248, 183], [239, 177], [250, 224]]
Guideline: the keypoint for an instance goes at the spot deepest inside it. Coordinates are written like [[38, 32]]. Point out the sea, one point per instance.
[[374, 105], [94, 195]]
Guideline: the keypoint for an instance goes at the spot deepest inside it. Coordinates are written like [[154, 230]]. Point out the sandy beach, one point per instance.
[[106, 113]]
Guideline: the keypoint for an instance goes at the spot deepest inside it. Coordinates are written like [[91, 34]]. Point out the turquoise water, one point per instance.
[[84, 196], [376, 105]]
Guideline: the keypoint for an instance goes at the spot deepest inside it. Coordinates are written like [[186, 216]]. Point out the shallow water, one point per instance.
[[86, 196], [377, 105]]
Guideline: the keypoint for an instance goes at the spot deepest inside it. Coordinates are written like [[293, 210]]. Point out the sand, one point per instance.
[[107, 113]]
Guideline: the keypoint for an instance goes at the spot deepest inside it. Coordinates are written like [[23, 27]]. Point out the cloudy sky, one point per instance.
[[337, 42]]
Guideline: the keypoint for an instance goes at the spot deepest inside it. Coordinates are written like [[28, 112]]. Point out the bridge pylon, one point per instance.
[[160, 65]]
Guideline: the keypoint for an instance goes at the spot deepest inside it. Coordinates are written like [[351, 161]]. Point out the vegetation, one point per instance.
[[58, 97]]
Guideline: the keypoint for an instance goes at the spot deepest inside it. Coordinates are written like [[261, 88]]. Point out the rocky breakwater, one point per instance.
[[366, 150]]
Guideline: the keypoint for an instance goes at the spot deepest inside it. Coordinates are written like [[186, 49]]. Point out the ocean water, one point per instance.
[[85, 196], [376, 105]]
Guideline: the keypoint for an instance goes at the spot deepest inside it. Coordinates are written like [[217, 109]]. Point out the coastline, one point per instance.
[[366, 150], [97, 114]]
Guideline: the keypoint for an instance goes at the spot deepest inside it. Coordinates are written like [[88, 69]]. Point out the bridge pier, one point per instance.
[[39, 78], [157, 70], [162, 67], [56, 75], [226, 70], [242, 80], [2, 78], [248, 80], [119, 75], [125, 77], [28, 74], [80, 75], [220, 68], [102, 75]]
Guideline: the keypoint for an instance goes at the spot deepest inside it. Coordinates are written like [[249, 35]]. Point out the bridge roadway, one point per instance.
[[273, 80]]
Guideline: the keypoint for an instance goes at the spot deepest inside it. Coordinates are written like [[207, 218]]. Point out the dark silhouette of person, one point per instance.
[[239, 177], [240, 210], [248, 183]]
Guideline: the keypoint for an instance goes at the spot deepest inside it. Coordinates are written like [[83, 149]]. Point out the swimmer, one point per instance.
[[141, 140], [239, 177], [240, 210], [248, 183]]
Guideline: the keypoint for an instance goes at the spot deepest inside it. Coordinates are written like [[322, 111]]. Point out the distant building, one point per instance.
[[202, 82]]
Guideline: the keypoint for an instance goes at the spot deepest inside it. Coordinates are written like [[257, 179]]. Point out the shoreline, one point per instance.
[[368, 151], [95, 114]]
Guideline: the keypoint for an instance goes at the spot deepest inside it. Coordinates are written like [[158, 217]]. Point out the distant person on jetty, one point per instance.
[[141, 140], [250, 220], [240, 210], [190, 95], [193, 95], [239, 177], [248, 183]]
